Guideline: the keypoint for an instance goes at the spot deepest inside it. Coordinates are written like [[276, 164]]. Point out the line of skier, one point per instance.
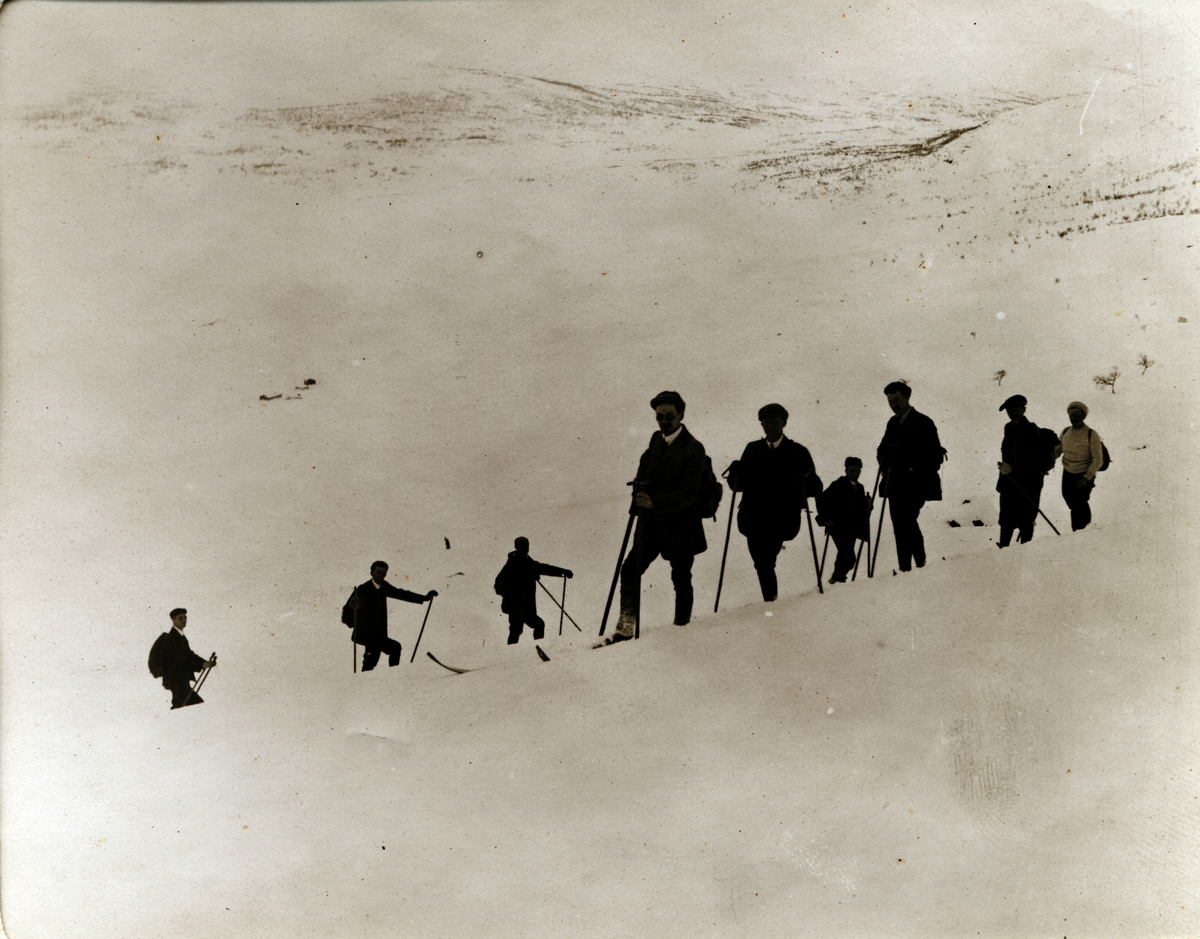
[[675, 488], [776, 478]]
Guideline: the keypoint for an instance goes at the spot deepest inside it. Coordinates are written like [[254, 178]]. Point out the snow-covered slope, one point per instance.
[[1002, 742]]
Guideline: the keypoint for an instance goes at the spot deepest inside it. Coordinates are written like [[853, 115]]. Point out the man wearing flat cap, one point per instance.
[[667, 491], [844, 509], [776, 477], [1082, 456], [366, 613], [909, 456], [1022, 471], [172, 660]]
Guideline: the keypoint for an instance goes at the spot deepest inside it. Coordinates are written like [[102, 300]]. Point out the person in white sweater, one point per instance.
[[1082, 455]]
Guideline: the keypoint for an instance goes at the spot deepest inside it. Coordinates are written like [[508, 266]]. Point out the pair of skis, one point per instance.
[[540, 651]]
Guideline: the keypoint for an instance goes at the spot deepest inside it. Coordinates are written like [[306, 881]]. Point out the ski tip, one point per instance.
[[450, 668], [541, 654], [611, 640]]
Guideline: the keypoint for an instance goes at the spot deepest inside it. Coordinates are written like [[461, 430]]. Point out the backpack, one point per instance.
[[1048, 441], [501, 584], [711, 492], [1104, 458]]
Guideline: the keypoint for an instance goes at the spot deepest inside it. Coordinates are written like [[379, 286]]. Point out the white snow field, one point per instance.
[[489, 262]]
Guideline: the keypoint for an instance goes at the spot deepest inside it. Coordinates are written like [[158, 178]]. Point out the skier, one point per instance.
[[1026, 458], [172, 660], [909, 455], [667, 491], [776, 477], [1082, 457], [366, 613], [516, 584], [844, 509]]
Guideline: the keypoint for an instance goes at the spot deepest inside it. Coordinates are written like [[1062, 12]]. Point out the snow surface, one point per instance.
[[1003, 743]]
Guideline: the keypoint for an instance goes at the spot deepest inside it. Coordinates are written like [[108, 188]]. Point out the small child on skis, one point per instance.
[[516, 584]]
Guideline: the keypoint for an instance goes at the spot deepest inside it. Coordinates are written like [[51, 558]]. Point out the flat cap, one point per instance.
[[668, 397]]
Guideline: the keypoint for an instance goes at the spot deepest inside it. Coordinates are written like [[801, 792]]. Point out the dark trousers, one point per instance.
[[1017, 512], [645, 549], [1077, 498], [764, 550], [846, 543], [518, 621], [910, 543], [180, 689], [371, 654]]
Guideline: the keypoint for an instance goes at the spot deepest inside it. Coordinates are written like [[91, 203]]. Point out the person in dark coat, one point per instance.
[[366, 613], [667, 490], [776, 477], [1022, 471], [844, 510], [172, 660], [516, 584], [909, 455]]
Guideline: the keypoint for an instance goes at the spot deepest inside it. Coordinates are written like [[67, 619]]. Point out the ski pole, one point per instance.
[[870, 509], [208, 667], [559, 605], [728, 531], [637, 615], [562, 609], [617, 572], [879, 533], [824, 551], [813, 540], [200, 680], [1034, 504], [422, 632]]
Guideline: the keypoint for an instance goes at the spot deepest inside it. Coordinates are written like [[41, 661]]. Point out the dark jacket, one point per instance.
[[517, 581], [910, 449], [172, 660], [370, 626], [844, 505], [673, 476], [775, 483], [1025, 451]]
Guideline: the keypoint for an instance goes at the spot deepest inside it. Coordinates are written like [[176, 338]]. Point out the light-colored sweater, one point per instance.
[[1079, 455]]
